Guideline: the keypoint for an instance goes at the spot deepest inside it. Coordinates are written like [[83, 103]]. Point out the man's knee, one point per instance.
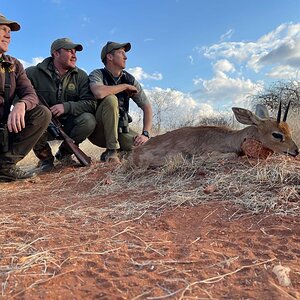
[[40, 115], [84, 125], [87, 121], [111, 102], [108, 109]]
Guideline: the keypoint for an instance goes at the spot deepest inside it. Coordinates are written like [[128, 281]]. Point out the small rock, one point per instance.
[[210, 189]]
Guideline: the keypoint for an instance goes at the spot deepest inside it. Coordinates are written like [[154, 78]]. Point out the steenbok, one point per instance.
[[272, 133]]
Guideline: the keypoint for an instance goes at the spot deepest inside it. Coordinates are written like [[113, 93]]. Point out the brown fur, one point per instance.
[[214, 139]]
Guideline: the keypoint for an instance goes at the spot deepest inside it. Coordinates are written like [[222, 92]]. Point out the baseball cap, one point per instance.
[[110, 46], [14, 26], [65, 43]]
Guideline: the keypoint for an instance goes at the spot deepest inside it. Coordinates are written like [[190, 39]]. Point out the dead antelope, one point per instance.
[[272, 133]]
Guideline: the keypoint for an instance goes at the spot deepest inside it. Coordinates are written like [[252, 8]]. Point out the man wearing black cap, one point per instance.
[[22, 121], [113, 87], [65, 87]]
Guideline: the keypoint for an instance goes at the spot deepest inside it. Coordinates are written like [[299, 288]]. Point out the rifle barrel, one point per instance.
[[79, 154]]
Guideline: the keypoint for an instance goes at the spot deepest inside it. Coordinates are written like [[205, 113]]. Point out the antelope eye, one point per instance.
[[278, 136]]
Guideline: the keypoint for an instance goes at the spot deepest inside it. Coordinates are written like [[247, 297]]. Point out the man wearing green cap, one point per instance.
[[65, 88], [22, 120], [112, 86]]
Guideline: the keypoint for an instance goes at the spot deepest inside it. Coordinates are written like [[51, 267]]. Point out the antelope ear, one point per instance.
[[262, 111], [245, 116]]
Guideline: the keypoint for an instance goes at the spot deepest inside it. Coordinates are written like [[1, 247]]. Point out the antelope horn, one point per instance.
[[286, 111], [279, 113]]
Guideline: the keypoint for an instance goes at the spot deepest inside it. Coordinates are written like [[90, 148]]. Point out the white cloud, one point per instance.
[[278, 47], [197, 81], [179, 109], [176, 97], [223, 65], [227, 35], [284, 72], [275, 55], [287, 52], [33, 62], [235, 90], [206, 110], [172, 108], [140, 74], [222, 90]]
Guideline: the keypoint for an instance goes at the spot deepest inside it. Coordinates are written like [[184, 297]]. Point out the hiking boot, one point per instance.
[[46, 165], [14, 173], [110, 155], [65, 159]]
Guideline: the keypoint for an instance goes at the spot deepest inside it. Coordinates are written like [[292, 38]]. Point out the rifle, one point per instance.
[[80, 155]]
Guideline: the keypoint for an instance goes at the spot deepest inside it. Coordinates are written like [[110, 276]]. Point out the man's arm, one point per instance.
[[147, 125], [100, 90], [26, 100], [147, 120], [24, 88]]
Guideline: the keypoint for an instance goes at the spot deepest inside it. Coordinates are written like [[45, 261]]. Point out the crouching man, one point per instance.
[[113, 87], [65, 88], [22, 122]]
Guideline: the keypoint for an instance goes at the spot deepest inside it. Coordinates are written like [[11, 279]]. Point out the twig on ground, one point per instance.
[[220, 277], [41, 281], [284, 292], [127, 221], [100, 253]]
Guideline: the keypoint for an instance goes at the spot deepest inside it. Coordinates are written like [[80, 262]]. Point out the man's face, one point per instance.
[[66, 58], [119, 58], [4, 38]]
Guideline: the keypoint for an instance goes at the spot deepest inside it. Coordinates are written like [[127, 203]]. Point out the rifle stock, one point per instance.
[[79, 154]]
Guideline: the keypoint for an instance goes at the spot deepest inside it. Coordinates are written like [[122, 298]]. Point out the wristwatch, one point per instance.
[[146, 133]]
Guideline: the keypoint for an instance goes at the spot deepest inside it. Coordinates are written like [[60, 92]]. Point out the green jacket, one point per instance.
[[76, 95]]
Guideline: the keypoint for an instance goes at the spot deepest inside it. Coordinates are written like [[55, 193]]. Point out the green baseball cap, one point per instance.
[[14, 26], [110, 46], [65, 43]]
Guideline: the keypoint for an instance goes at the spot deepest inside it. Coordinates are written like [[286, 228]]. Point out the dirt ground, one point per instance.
[[61, 240]]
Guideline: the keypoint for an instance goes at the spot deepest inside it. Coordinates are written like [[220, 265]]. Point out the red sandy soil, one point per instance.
[[51, 250]]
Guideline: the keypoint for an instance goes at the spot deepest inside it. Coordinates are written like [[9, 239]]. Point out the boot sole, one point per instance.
[[6, 178]]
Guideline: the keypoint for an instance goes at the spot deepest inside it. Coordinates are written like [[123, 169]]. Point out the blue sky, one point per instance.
[[209, 55]]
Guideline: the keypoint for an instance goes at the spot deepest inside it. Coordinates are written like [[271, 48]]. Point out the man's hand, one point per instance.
[[16, 118], [57, 110], [131, 90], [140, 140]]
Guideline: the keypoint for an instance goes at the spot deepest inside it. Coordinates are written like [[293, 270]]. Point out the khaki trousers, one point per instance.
[[106, 133]]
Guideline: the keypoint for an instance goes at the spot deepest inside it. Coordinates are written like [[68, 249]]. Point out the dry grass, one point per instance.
[[270, 185]]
